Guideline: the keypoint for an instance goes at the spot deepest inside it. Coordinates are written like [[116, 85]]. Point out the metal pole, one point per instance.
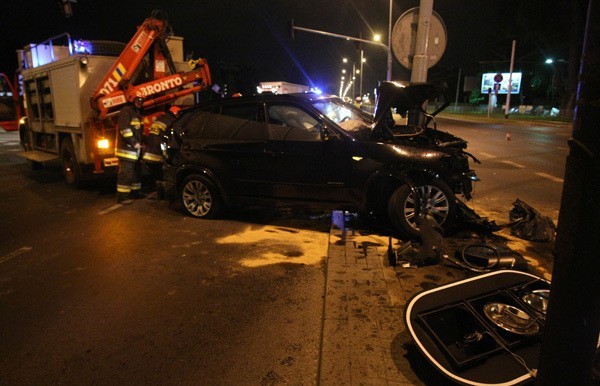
[[345, 37], [573, 318], [353, 78], [512, 63], [419, 66], [389, 46], [361, 72], [457, 88]]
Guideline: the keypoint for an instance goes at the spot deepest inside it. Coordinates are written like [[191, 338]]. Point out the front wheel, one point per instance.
[[437, 202], [200, 197]]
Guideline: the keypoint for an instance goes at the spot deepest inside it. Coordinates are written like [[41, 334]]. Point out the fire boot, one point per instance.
[[123, 198], [136, 195]]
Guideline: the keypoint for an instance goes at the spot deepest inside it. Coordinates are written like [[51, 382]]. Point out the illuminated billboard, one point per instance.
[[487, 82]]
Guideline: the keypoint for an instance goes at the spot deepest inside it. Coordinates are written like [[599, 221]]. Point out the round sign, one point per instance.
[[498, 78], [404, 38]]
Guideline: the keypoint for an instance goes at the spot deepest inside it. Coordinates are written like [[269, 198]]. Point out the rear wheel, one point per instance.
[[70, 166], [200, 197], [437, 202]]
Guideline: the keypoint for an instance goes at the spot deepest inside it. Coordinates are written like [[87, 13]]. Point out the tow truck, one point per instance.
[[73, 91]]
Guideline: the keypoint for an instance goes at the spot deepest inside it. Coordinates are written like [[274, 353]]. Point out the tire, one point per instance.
[[25, 138], [200, 197], [70, 166], [437, 200]]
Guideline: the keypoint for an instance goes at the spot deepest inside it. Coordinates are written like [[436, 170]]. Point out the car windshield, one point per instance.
[[346, 116]]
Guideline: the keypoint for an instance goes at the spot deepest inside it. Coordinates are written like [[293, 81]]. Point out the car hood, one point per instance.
[[404, 99]]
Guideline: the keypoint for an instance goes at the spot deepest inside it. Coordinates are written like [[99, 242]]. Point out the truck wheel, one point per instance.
[[437, 201], [25, 138], [70, 166], [200, 197]]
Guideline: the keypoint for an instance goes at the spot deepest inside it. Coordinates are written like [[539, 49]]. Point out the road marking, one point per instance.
[[108, 210], [487, 155], [513, 164], [14, 254], [563, 148], [548, 176]]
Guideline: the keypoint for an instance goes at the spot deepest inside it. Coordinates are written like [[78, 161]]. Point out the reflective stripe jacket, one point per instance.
[[129, 133], [154, 139]]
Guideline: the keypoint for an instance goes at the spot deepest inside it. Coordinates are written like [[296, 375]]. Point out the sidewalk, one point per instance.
[[365, 341], [512, 120]]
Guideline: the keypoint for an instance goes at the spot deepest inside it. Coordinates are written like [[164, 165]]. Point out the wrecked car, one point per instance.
[[318, 152]]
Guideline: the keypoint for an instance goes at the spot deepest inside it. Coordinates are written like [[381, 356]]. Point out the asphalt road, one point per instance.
[[92, 292], [530, 166], [97, 293]]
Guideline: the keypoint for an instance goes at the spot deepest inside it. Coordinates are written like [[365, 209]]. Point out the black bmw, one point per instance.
[[317, 151]]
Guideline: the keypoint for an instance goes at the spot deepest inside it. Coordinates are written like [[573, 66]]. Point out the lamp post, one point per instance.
[[351, 38], [355, 72]]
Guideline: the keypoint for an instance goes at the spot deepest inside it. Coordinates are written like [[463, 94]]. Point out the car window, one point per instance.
[[191, 123], [291, 123], [235, 121]]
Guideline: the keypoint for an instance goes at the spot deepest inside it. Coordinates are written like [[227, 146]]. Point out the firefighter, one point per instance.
[[153, 154], [129, 151]]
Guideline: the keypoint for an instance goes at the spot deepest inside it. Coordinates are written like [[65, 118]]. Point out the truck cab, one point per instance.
[[73, 91]]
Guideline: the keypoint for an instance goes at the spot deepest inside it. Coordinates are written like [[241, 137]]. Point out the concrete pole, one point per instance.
[[573, 319], [419, 65], [457, 88], [512, 65]]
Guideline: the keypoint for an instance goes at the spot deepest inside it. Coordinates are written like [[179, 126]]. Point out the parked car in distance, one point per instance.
[[317, 152]]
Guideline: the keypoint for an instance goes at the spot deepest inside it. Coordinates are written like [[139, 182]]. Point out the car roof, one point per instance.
[[308, 97]]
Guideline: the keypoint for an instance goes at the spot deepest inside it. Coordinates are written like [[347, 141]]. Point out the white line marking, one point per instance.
[[487, 155], [14, 254], [548, 176], [108, 210], [513, 164], [563, 148]]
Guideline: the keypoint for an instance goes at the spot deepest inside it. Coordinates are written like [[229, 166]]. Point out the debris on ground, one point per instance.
[[467, 218], [529, 224]]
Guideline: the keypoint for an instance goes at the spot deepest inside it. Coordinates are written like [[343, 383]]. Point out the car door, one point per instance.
[[231, 144], [301, 163]]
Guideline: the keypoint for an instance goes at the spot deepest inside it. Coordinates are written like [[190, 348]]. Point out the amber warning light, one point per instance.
[[103, 143]]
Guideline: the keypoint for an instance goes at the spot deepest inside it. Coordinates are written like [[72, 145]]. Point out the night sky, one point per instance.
[[254, 34]]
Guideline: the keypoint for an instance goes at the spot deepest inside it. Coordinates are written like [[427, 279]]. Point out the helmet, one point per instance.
[[174, 109]]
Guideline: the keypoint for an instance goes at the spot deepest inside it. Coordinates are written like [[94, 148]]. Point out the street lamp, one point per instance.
[[356, 71]]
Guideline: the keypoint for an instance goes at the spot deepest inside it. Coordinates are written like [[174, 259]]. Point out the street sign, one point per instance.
[[404, 36], [498, 78]]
